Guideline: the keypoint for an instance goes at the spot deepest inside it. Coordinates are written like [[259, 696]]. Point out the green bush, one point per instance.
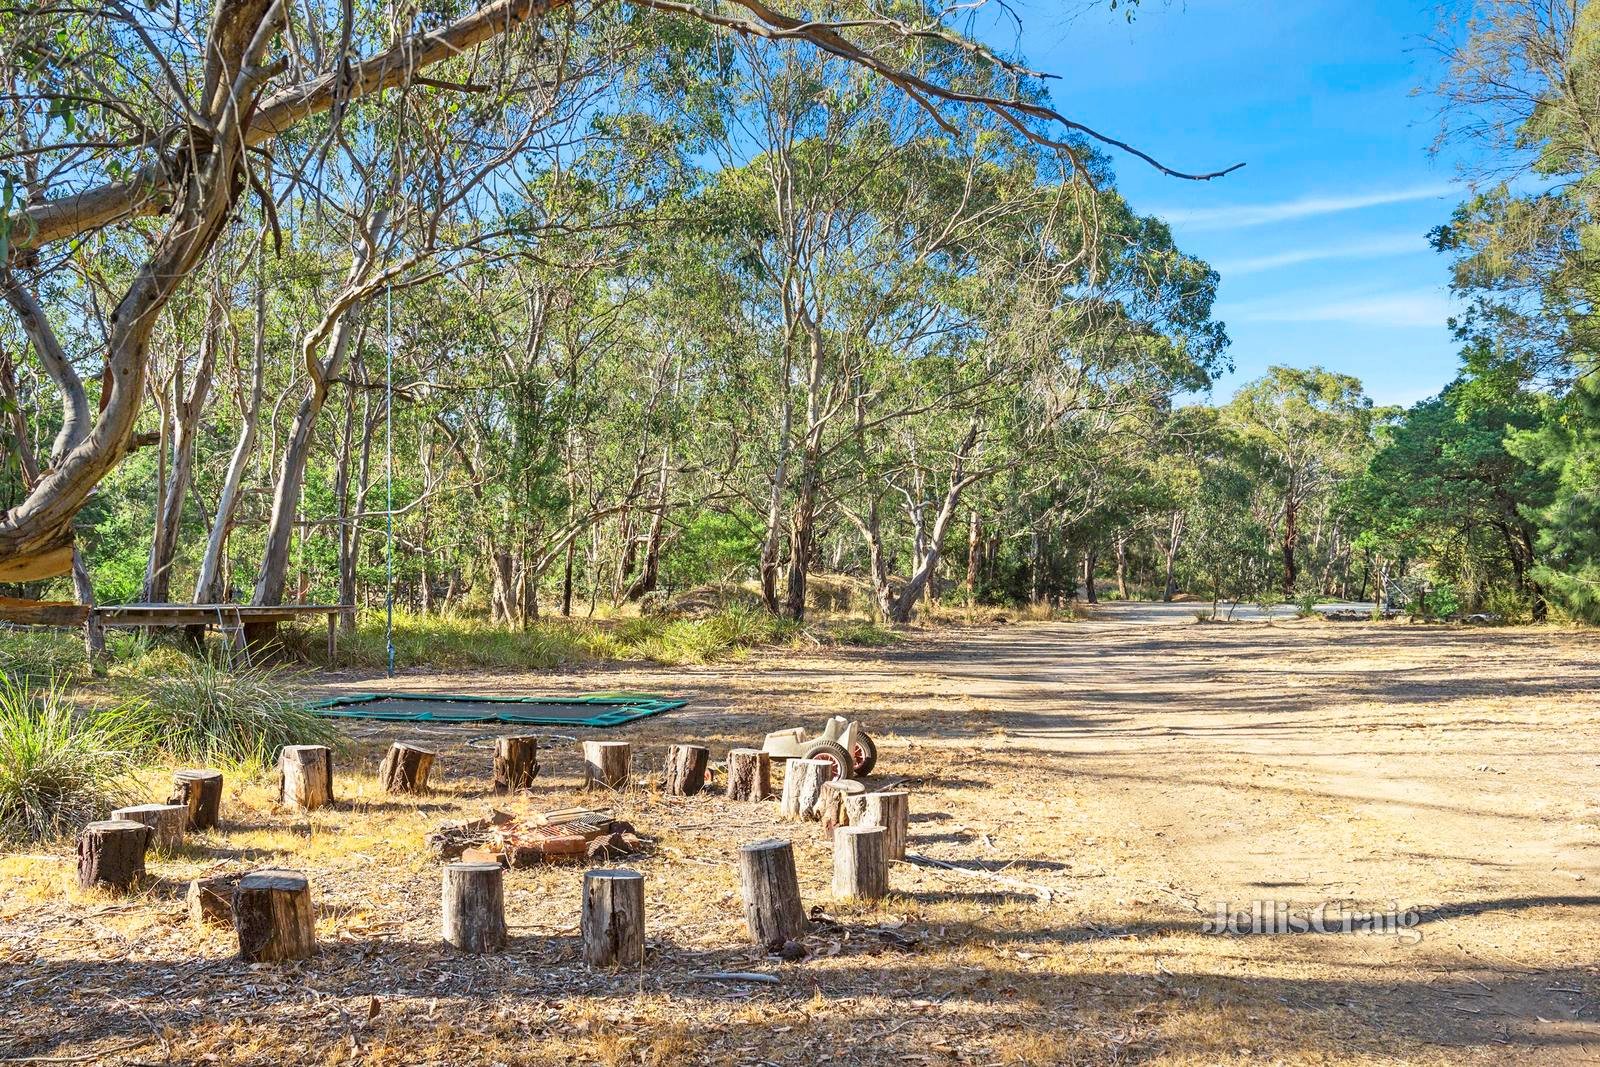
[[59, 768], [201, 711], [1440, 601], [1513, 608], [1268, 597]]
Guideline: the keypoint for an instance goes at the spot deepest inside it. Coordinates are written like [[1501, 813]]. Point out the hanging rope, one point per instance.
[[388, 472]]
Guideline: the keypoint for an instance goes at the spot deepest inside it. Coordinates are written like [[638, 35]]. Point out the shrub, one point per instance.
[[1439, 601], [1268, 597], [204, 712], [58, 768], [1509, 605]]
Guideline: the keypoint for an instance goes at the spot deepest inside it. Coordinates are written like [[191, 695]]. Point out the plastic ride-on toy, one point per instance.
[[842, 742]]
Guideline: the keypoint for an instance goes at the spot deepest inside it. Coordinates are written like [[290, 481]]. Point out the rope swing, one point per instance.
[[388, 473]]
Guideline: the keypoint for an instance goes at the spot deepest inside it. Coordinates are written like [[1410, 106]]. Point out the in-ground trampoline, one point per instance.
[[602, 709]]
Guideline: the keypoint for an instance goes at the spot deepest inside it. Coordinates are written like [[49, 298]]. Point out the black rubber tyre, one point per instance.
[[863, 755], [834, 753]]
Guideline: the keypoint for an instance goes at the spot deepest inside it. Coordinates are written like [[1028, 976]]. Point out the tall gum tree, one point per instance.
[[213, 86]]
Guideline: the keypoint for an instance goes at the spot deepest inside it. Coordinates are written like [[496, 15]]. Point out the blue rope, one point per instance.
[[388, 467]]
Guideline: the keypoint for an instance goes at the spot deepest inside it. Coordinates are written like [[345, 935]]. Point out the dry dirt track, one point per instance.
[[1142, 768], [1151, 768]]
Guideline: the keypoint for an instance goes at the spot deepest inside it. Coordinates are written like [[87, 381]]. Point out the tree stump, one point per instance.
[[749, 774], [860, 862], [891, 811], [111, 853], [803, 780], [771, 889], [305, 776], [211, 900], [474, 906], [166, 822], [613, 918], [606, 764], [405, 768], [201, 792], [686, 769], [272, 912], [840, 803], [516, 762]]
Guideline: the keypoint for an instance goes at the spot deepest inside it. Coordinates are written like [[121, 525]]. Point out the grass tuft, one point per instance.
[[42, 657], [202, 711], [456, 642], [59, 767], [864, 635], [723, 635]]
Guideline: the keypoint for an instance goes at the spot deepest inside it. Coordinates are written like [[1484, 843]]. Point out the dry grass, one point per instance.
[[1055, 752]]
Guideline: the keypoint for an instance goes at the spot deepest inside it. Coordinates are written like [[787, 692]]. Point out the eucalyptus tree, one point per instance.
[[434, 181], [881, 259], [1228, 549], [1315, 429], [154, 119]]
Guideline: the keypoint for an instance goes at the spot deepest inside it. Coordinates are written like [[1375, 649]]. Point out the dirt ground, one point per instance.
[[1125, 775]]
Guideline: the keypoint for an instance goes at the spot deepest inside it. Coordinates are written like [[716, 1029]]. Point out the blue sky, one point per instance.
[[1321, 239]]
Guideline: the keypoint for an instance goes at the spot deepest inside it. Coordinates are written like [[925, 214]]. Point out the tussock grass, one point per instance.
[[148, 659], [864, 635], [205, 712], [45, 656], [457, 642], [723, 635], [59, 767], [453, 642], [42, 656]]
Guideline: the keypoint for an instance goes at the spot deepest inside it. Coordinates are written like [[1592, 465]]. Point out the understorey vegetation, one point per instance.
[[60, 765]]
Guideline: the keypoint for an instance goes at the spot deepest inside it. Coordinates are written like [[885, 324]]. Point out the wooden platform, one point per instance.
[[247, 624], [124, 615]]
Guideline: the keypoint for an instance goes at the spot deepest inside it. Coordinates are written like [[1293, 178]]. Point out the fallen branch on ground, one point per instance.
[[1044, 894]]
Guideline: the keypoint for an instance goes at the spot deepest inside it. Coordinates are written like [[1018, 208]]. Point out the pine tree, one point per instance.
[[1567, 446]]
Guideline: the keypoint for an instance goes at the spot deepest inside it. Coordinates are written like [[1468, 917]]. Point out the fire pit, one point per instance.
[[571, 834]]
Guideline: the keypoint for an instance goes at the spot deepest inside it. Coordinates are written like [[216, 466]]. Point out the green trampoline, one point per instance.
[[601, 709]]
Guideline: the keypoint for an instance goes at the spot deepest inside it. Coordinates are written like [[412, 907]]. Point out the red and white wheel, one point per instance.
[[834, 753]]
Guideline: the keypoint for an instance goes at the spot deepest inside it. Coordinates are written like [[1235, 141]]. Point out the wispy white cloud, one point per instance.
[[1239, 216], [1397, 245], [1415, 308]]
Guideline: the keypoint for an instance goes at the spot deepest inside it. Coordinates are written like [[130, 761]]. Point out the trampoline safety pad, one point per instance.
[[601, 710]]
